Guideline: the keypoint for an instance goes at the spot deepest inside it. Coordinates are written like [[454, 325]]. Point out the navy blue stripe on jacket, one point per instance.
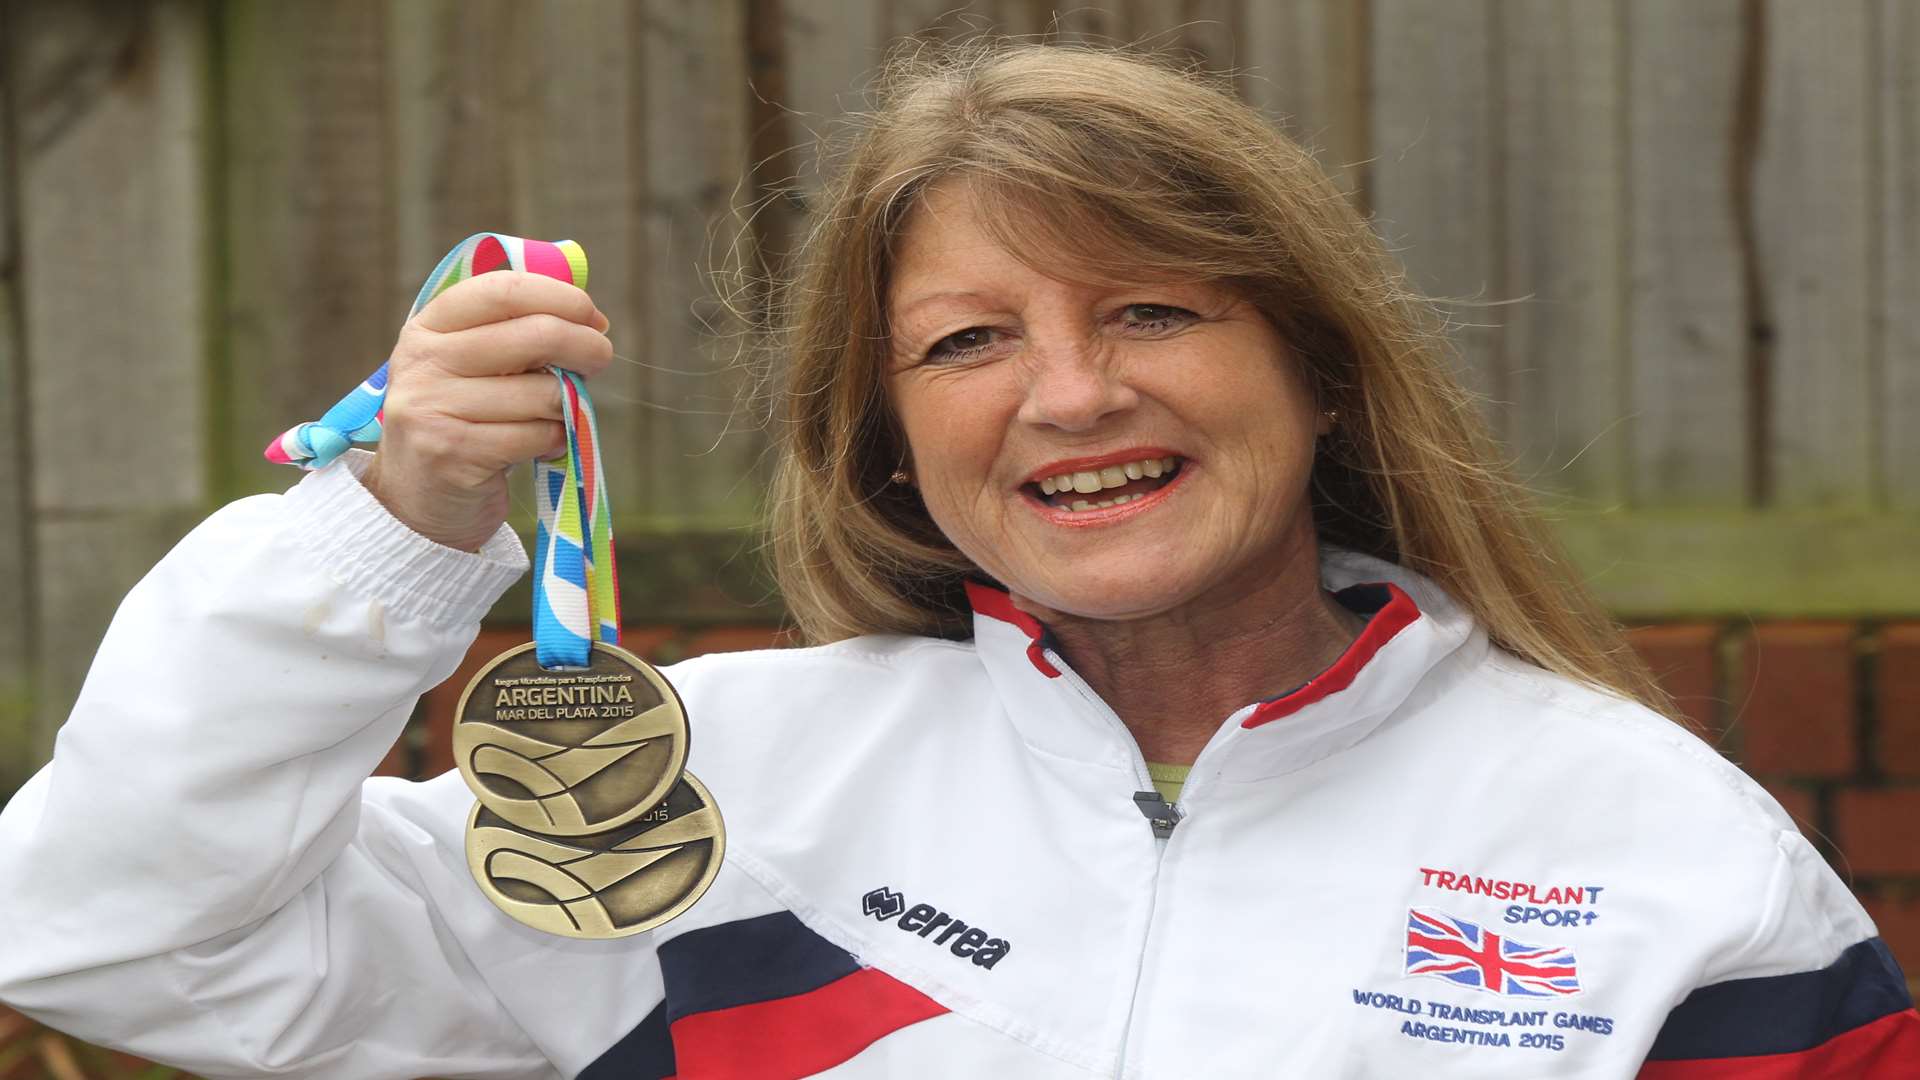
[[719, 967], [1785, 1014]]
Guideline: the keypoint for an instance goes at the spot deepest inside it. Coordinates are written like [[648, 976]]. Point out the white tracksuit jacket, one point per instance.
[[1432, 860]]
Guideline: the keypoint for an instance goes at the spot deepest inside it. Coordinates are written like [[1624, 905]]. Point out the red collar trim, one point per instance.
[[996, 604], [1396, 615]]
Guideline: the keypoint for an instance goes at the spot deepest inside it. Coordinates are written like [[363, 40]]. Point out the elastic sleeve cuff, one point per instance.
[[365, 548]]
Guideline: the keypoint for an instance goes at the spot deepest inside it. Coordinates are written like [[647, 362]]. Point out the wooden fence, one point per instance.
[[1685, 238]]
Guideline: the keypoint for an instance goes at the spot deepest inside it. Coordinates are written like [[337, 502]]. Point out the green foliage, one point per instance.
[[20, 752], [1738, 564]]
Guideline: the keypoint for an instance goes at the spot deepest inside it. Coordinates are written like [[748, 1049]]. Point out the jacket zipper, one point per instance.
[[1194, 782], [1163, 820]]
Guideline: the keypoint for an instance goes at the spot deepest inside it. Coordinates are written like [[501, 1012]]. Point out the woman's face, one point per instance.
[[1179, 418]]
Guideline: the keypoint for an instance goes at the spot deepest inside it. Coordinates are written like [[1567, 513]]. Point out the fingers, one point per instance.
[[466, 456], [509, 294], [514, 441], [497, 398], [465, 401], [519, 344]]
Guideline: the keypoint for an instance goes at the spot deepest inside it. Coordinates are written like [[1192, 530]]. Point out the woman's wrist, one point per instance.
[[362, 544]]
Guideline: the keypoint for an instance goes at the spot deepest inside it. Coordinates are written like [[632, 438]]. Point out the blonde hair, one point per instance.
[[1141, 170]]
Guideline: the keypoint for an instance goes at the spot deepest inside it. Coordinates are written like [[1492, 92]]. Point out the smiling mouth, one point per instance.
[[1101, 489]]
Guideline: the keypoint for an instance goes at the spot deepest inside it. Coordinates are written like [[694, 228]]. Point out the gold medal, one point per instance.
[[570, 751], [587, 824], [609, 884]]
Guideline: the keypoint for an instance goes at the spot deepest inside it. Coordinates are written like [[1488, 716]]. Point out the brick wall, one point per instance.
[[1826, 715]]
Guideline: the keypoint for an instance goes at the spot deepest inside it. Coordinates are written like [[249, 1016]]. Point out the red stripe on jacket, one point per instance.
[[1886, 1049], [799, 1035]]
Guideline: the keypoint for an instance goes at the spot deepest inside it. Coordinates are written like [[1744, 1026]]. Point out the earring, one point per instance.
[[1333, 416], [900, 476]]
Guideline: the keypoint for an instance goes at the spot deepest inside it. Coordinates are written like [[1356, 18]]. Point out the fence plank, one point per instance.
[[580, 144], [1435, 169], [109, 161], [313, 300], [1307, 63], [1812, 208], [1030, 20], [17, 738], [461, 90], [703, 449], [933, 20], [1210, 30], [809, 71], [1213, 32], [1564, 200], [1104, 22], [1686, 312], [828, 50], [1898, 215]]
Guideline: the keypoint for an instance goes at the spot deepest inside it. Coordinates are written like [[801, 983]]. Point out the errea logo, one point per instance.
[[969, 942], [883, 903]]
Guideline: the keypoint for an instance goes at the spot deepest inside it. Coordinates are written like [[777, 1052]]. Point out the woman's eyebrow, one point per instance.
[[948, 294]]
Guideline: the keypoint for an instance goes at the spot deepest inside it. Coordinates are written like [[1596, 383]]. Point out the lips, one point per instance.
[[1095, 488]]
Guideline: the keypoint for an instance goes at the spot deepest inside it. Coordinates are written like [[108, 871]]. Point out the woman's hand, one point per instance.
[[467, 399]]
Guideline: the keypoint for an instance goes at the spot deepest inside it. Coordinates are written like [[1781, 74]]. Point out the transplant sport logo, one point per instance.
[[962, 940]]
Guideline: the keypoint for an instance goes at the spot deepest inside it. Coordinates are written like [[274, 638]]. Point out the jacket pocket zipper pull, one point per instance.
[[1159, 813]]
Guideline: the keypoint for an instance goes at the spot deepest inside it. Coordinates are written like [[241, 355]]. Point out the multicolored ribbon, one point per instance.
[[573, 569], [574, 576]]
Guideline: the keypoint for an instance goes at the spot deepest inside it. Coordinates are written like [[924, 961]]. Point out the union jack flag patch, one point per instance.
[[1461, 952]]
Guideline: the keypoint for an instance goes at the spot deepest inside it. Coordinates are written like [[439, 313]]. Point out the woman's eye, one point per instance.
[[964, 344], [960, 344], [1156, 316]]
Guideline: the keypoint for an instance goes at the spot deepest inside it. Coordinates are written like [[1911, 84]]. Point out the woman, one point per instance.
[[1108, 438]]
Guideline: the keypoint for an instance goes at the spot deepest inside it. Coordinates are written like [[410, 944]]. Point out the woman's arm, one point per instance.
[[1811, 991], [198, 875]]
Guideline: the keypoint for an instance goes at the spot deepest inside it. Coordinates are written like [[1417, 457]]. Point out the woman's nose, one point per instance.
[[1073, 387]]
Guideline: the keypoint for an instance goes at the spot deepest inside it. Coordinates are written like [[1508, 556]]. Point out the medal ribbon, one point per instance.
[[576, 592]]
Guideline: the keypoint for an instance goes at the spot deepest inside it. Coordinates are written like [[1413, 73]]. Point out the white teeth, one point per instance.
[[1086, 504], [1112, 476]]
